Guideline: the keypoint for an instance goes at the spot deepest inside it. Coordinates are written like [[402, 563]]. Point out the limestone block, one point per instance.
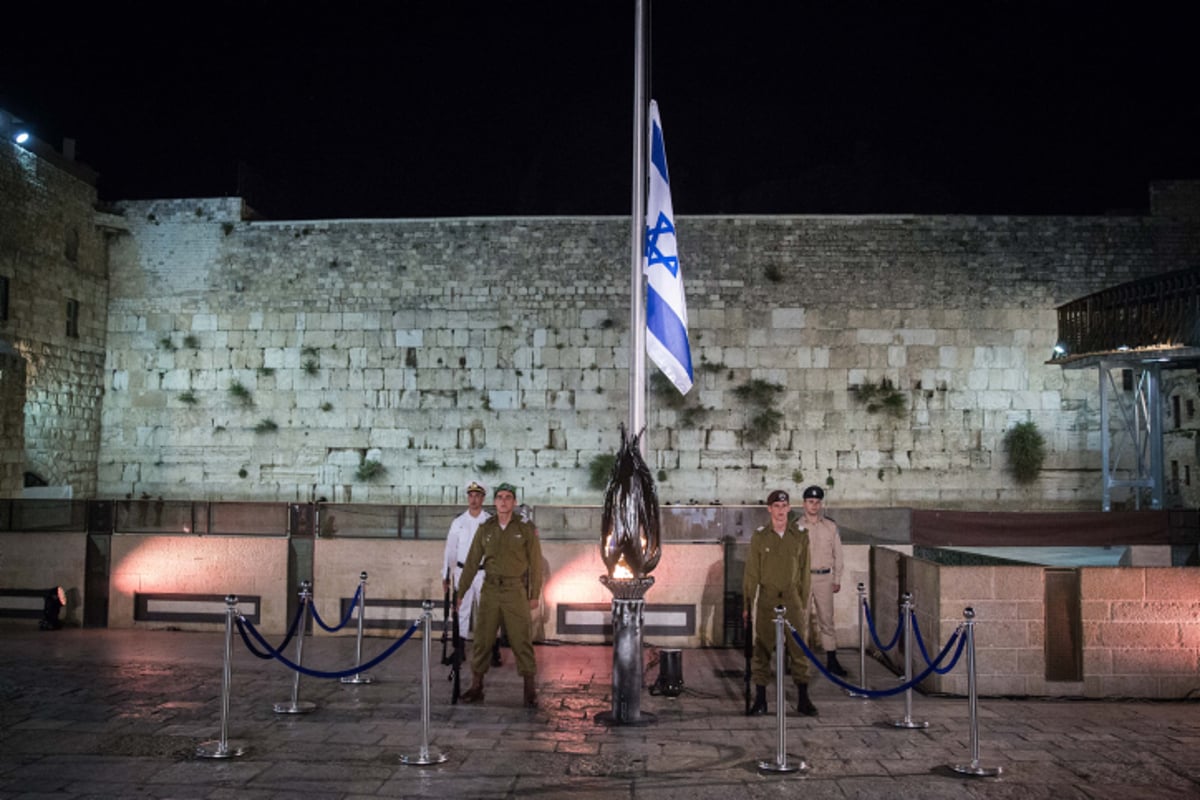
[[1112, 583], [1118, 635], [1168, 584], [1143, 661], [787, 318], [409, 338]]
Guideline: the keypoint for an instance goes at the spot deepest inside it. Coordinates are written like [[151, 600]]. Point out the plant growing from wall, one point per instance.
[[166, 344], [191, 342], [881, 397], [266, 426], [764, 420], [489, 467], [369, 470], [240, 393], [310, 366], [599, 470], [1026, 449], [266, 372], [327, 406], [188, 397]]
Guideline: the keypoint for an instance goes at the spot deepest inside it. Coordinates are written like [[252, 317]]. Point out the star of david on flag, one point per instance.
[[666, 308]]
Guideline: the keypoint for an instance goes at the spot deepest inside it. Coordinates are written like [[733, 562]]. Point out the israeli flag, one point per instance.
[[666, 308]]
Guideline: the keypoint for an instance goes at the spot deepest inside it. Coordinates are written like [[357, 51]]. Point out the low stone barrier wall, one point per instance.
[[1137, 633]]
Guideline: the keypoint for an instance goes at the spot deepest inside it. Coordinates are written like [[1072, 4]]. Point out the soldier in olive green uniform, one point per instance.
[[508, 551], [777, 574]]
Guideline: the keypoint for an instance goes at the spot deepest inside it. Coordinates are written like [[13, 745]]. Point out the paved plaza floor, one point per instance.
[[119, 714]]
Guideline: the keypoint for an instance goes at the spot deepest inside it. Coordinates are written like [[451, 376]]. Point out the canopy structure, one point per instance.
[[1131, 334]]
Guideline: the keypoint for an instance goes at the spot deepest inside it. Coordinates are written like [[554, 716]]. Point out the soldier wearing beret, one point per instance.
[[507, 549], [777, 574], [825, 548]]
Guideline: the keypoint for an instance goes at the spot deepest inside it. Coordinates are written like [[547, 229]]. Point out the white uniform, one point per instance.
[[458, 542]]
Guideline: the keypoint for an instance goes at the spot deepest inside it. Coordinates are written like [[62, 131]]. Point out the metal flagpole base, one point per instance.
[[295, 707], [361, 677], [975, 770], [218, 749], [784, 766], [424, 758], [909, 723]]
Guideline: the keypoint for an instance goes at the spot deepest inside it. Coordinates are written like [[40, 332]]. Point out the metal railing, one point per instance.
[[1160, 311]]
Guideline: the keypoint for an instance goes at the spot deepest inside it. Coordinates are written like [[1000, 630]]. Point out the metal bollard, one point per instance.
[[974, 768], [296, 705], [425, 756], [906, 608], [862, 643], [780, 764], [360, 677], [221, 748]]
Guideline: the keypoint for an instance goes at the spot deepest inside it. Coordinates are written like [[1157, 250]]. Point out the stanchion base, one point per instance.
[[798, 765], [361, 677], [424, 759], [609, 718], [214, 749], [299, 707], [909, 723], [857, 694], [977, 771]]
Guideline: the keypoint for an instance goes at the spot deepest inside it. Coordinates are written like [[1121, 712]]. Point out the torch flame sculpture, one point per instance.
[[630, 521], [629, 545]]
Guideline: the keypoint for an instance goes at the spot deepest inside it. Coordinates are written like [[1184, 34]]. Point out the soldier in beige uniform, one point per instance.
[[508, 551], [825, 549], [777, 574]]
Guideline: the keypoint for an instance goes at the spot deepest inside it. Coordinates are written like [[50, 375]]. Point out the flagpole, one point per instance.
[[637, 236]]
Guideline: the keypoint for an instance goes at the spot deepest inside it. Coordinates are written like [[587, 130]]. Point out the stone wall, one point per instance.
[[270, 360], [12, 422], [1140, 626], [53, 252]]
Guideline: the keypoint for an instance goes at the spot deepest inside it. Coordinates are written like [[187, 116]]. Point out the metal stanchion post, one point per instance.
[[780, 764], [296, 705], [425, 756], [221, 748], [906, 608], [974, 768], [360, 677], [862, 643]]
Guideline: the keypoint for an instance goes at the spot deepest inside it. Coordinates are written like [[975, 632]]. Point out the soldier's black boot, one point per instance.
[[833, 666], [530, 692], [803, 704], [496, 660], [760, 701], [475, 693]]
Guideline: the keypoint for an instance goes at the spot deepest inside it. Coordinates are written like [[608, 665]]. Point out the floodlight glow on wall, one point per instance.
[[22, 137]]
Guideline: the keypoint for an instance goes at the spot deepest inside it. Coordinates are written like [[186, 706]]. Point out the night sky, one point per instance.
[[411, 109]]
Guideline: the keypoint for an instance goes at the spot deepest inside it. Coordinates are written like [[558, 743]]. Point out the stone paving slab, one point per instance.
[[91, 714]]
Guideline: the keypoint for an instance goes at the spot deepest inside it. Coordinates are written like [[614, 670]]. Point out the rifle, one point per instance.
[[748, 652], [457, 659], [445, 619]]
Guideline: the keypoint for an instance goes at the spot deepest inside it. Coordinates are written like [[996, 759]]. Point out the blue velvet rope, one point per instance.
[[885, 692], [346, 619], [245, 624], [286, 639], [924, 652], [871, 627]]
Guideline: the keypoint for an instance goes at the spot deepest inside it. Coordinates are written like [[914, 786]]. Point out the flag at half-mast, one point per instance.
[[666, 309]]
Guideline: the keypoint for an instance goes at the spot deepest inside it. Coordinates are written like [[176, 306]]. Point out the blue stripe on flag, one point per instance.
[[663, 324]]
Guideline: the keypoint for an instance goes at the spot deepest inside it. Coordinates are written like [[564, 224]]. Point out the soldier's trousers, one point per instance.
[[503, 600], [796, 613]]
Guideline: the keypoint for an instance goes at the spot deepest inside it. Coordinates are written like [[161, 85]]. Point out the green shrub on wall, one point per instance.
[[1026, 449]]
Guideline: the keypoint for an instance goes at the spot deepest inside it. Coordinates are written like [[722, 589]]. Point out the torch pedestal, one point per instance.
[[628, 606]]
